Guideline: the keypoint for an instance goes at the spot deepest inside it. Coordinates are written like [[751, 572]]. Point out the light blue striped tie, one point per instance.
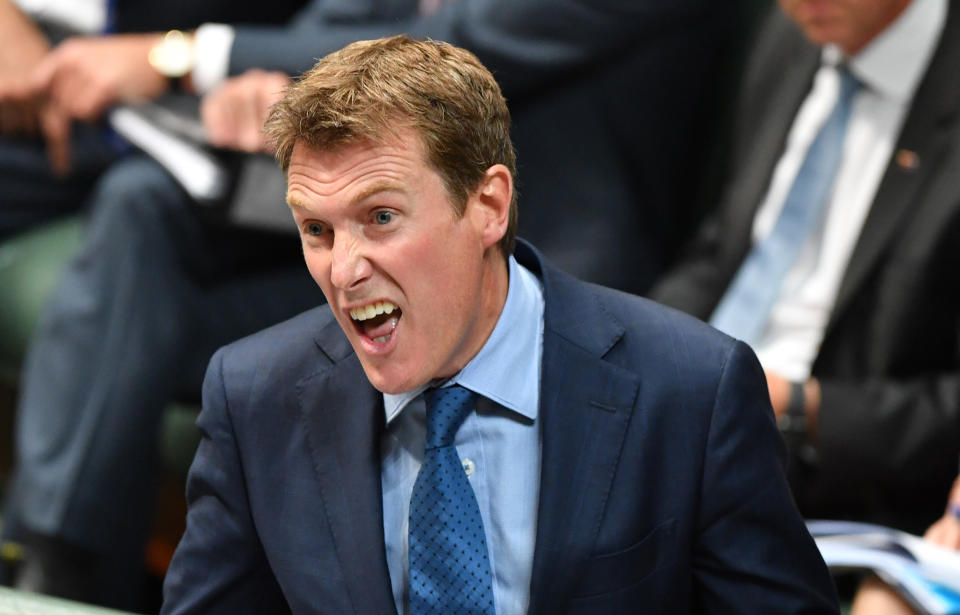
[[744, 310]]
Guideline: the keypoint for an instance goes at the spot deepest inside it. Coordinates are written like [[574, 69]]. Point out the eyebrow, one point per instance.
[[294, 202], [371, 190], [377, 188]]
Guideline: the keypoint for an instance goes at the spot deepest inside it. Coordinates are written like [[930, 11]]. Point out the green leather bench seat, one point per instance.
[[30, 265]]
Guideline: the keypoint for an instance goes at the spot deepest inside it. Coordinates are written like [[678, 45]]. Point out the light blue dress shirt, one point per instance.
[[499, 445]]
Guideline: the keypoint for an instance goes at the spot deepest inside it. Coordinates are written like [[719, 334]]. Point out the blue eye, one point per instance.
[[383, 217], [314, 228]]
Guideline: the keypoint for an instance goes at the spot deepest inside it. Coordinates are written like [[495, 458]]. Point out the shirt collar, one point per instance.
[[893, 63], [507, 368]]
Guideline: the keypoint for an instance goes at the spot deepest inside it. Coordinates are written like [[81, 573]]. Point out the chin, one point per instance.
[[388, 383]]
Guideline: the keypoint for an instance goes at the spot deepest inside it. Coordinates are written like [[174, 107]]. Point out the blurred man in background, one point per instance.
[[833, 250]]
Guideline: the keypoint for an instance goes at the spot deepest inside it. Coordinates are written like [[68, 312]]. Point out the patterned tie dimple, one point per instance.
[[449, 569], [744, 310]]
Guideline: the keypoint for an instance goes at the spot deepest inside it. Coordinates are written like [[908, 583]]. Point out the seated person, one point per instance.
[[833, 249], [62, 66], [586, 450]]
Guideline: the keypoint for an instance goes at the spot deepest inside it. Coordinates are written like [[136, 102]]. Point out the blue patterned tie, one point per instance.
[[744, 310], [449, 569]]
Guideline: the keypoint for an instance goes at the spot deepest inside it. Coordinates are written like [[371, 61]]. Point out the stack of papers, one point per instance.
[[926, 575], [172, 134], [251, 188]]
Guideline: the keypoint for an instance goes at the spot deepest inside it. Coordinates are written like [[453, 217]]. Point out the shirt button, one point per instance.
[[468, 466]]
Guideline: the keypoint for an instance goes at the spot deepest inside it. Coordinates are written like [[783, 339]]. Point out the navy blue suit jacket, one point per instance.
[[662, 486]]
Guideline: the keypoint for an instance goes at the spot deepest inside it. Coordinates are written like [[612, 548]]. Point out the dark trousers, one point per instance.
[[30, 193]]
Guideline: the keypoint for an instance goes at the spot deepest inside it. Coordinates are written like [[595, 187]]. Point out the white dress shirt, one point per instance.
[[87, 16], [889, 69]]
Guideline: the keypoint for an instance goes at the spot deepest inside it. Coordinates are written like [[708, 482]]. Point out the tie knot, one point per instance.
[[446, 410], [849, 83]]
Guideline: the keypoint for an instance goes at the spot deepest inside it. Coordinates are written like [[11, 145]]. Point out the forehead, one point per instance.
[[322, 173]]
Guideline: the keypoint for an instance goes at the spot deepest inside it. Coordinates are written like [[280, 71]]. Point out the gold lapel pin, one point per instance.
[[907, 160]]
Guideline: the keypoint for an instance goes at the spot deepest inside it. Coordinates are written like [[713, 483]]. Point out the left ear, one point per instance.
[[489, 204]]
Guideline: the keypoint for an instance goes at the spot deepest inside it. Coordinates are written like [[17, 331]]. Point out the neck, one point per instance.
[[496, 281], [857, 44], [493, 296]]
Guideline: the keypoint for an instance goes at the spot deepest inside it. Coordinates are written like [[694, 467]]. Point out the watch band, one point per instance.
[[794, 420]]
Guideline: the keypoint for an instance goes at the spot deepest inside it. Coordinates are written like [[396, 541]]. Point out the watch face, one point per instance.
[[173, 55]]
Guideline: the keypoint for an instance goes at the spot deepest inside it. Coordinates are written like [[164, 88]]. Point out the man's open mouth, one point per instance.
[[376, 320]]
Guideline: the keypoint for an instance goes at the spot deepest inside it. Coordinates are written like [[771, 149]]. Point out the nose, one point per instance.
[[349, 267]]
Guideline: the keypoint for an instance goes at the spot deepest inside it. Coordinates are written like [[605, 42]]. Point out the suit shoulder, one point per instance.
[[284, 344], [682, 363], [656, 333]]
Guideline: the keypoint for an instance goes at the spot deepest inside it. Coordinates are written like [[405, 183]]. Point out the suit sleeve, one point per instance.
[[908, 445], [526, 43], [696, 285], [753, 553], [219, 565]]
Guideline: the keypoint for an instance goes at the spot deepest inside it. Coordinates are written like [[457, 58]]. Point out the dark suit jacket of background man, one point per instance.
[[661, 481], [611, 103], [152, 16], [888, 365]]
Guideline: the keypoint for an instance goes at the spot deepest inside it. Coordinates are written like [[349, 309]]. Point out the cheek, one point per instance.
[[319, 268]]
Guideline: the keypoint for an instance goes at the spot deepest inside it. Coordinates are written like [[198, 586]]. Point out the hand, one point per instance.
[[234, 113], [83, 76], [779, 390], [946, 530], [874, 597], [24, 47]]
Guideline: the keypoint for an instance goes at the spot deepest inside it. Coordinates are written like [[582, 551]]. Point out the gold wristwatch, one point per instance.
[[173, 56]]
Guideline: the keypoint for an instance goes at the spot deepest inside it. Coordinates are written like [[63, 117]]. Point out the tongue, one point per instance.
[[377, 327]]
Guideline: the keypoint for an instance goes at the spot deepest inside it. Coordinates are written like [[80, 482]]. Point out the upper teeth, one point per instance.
[[369, 311]]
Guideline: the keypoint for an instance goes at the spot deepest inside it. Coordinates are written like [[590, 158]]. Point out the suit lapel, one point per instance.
[[343, 416], [585, 409], [926, 134]]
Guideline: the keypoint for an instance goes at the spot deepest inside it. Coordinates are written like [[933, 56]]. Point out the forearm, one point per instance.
[[885, 449], [891, 428], [525, 44], [24, 43]]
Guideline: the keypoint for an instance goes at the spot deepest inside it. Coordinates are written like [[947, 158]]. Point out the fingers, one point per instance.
[[18, 107], [954, 496], [66, 79], [946, 531], [250, 127], [211, 112], [779, 389], [55, 126], [84, 76], [234, 114], [42, 77]]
